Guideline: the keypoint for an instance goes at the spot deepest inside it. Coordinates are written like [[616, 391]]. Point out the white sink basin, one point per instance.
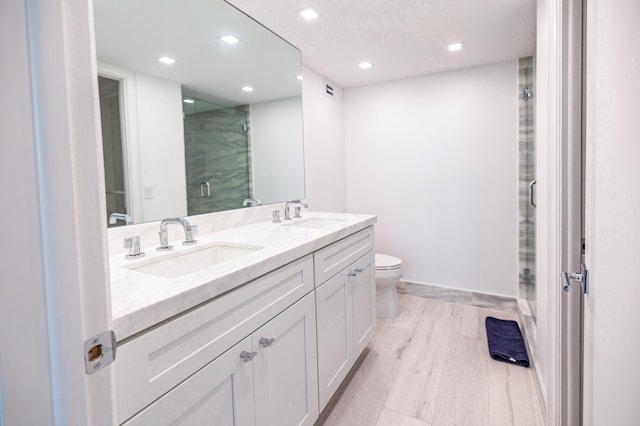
[[314, 222], [179, 264]]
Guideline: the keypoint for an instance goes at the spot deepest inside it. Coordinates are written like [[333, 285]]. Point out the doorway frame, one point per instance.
[[65, 245], [551, 125], [129, 131]]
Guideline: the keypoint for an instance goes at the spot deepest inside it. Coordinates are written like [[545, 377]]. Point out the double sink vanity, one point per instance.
[[257, 323]]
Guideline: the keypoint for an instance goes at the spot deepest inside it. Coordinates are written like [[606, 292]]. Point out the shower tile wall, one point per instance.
[[217, 152], [526, 141]]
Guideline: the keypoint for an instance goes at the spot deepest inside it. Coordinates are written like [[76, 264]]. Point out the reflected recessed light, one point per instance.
[[309, 13], [365, 65], [188, 101], [247, 89], [299, 77], [167, 60], [229, 39], [455, 46]]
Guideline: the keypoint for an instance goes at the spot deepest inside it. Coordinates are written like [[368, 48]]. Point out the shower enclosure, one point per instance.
[[527, 212], [217, 156]]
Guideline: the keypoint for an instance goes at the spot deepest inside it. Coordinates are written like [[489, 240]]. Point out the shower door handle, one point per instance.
[[531, 185], [205, 189]]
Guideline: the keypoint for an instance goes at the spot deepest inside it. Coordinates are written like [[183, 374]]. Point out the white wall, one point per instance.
[[435, 157], [324, 149], [276, 128], [161, 139]]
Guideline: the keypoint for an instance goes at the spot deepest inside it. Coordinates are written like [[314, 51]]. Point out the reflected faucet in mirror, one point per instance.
[[251, 202], [189, 230], [115, 217]]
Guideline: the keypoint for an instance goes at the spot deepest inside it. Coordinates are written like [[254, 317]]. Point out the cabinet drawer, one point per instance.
[[334, 258], [151, 364]]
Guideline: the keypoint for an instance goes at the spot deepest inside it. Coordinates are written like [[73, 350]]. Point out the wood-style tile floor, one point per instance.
[[430, 366]]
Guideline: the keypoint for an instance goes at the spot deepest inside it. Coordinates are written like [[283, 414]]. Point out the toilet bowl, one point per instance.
[[388, 272]]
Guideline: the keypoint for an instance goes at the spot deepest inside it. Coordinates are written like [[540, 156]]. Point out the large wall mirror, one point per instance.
[[201, 109]]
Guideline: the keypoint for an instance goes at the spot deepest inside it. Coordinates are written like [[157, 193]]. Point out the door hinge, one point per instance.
[[582, 278], [99, 351]]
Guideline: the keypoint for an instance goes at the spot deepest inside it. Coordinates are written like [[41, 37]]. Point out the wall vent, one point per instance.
[[328, 89]]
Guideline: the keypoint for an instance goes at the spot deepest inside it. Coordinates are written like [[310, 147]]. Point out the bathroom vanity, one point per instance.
[[257, 323]]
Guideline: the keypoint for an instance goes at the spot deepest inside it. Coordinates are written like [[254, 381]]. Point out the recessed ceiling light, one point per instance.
[[309, 13], [167, 60], [229, 39], [455, 46], [188, 101], [299, 77], [365, 65], [247, 89]]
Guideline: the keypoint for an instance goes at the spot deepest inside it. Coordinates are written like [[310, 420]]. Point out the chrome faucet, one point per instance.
[[252, 202], [189, 230], [287, 215], [115, 217]]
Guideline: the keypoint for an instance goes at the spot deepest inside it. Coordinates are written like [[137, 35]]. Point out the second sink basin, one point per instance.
[[179, 264], [314, 222]]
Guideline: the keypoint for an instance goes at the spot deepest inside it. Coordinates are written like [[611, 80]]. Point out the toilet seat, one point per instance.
[[385, 262]]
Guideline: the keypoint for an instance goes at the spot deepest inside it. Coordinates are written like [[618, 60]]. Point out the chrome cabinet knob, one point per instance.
[[247, 356], [265, 343]]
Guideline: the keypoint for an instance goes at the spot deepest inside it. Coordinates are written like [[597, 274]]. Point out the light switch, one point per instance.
[[148, 192]]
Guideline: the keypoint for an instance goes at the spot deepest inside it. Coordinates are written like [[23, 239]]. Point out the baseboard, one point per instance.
[[529, 333]]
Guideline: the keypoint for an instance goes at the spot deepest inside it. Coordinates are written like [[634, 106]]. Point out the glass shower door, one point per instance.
[[527, 220]]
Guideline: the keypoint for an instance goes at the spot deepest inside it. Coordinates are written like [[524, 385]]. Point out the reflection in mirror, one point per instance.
[[112, 149], [184, 138], [217, 158]]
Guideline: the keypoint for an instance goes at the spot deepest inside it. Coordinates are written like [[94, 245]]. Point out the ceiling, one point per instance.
[[131, 35], [402, 38]]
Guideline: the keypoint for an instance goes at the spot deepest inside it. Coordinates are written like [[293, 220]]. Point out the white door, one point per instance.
[[612, 213], [54, 282]]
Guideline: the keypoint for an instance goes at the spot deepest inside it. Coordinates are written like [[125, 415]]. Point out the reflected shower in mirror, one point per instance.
[[203, 124]]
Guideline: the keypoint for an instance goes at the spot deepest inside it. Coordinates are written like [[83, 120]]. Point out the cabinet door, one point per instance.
[[333, 301], [363, 291], [219, 394], [286, 369]]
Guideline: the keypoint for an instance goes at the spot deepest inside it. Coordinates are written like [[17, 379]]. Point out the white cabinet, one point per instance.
[[268, 379], [219, 394], [149, 365], [272, 352], [285, 367], [363, 302], [345, 309]]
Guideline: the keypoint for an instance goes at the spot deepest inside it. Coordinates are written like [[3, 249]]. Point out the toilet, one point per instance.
[[388, 272]]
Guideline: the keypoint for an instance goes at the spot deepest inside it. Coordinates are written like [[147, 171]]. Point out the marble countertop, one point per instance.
[[140, 300]]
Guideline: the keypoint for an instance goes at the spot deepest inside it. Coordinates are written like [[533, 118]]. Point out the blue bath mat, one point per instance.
[[505, 342]]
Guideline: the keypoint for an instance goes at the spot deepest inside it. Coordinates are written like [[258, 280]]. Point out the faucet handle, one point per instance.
[[276, 216], [133, 244], [287, 214], [189, 235]]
